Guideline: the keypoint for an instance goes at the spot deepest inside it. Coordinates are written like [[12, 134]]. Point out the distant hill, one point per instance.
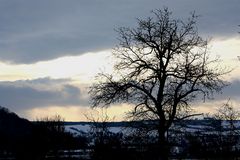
[[12, 125]]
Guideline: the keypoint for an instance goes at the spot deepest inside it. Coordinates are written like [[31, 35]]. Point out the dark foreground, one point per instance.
[[48, 140]]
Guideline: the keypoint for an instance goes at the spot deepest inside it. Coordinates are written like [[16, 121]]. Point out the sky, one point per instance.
[[51, 50]]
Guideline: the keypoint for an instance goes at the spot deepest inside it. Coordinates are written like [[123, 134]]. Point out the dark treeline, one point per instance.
[[47, 138]]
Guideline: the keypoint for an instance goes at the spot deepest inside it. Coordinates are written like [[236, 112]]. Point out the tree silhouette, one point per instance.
[[163, 65], [226, 129]]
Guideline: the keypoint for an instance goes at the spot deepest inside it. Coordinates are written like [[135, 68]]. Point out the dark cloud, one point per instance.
[[43, 92], [232, 91], [33, 31], [21, 95]]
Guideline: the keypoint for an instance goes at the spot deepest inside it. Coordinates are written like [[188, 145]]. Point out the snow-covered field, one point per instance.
[[192, 126], [85, 128]]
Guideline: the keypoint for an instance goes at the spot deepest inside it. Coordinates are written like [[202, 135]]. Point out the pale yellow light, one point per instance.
[[77, 113], [82, 68]]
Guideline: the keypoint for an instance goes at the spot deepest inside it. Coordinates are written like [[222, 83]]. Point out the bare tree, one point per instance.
[[54, 123], [163, 65]]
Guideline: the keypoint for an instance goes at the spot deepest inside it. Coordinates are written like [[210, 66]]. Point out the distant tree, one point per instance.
[[218, 138], [54, 123], [49, 135], [226, 127], [163, 65], [228, 114], [106, 144]]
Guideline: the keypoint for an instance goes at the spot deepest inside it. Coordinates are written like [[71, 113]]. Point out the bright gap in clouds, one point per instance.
[[228, 50], [78, 68], [85, 67]]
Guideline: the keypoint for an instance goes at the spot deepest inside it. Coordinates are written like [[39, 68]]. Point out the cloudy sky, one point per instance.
[[50, 50]]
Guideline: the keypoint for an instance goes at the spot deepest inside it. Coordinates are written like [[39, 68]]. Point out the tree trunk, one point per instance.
[[162, 145]]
